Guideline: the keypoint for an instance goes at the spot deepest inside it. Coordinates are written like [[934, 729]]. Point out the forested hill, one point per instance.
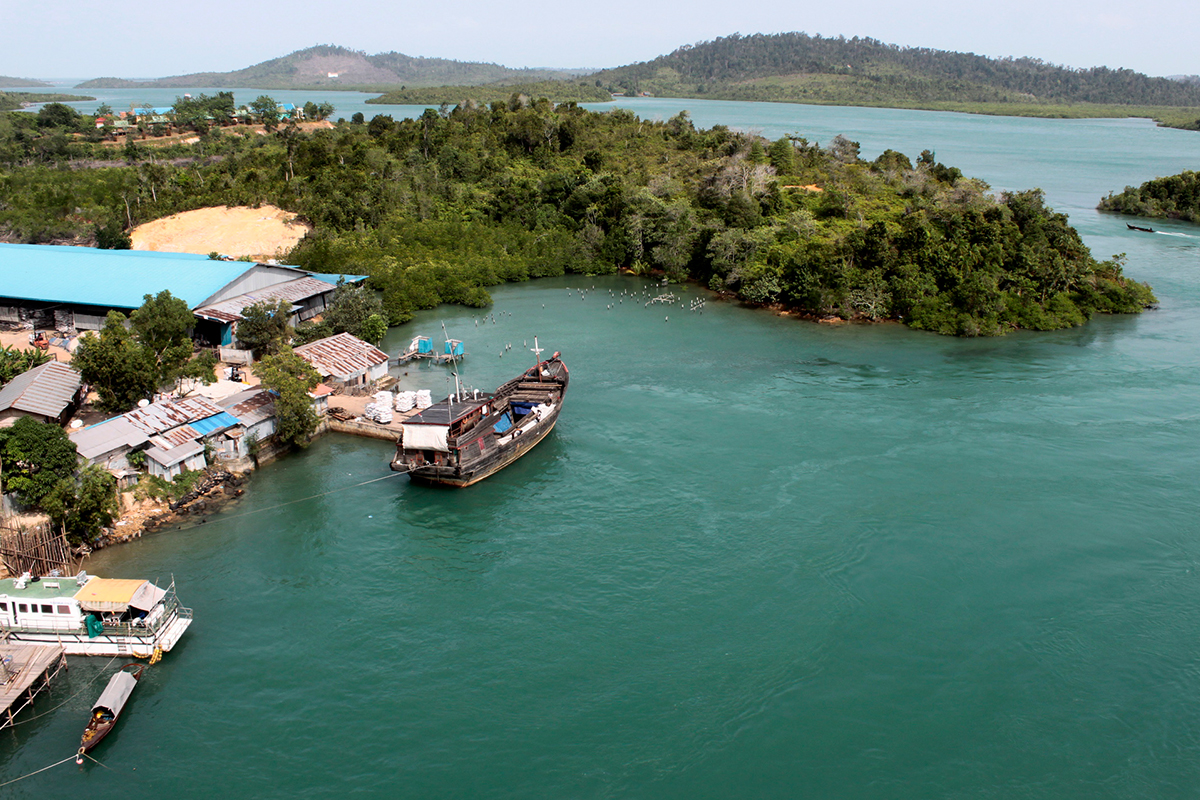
[[21, 83], [796, 66], [311, 68], [439, 208]]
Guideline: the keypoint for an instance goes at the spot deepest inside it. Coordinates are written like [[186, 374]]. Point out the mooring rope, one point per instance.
[[69, 699], [292, 502], [89, 758], [43, 769]]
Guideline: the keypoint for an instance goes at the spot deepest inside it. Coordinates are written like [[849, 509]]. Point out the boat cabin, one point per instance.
[[63, 603]]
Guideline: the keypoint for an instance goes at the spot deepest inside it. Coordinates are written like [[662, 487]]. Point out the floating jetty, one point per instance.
[[26, 669], [422, 347]]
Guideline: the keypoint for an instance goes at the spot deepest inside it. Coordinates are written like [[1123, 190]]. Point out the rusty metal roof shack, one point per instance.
[[113, 436], [159, 417], [343, 357], [252, 407], [47, 391]]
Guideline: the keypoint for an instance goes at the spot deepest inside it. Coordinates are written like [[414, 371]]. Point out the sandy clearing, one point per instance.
[[261, 233]]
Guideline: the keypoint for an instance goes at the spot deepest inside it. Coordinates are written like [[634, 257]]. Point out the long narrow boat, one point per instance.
[[469, 436], [1139, 228], [108, 708]]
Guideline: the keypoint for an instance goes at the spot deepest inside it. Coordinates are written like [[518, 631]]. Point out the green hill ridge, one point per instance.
[[796, 66], [333, 67]]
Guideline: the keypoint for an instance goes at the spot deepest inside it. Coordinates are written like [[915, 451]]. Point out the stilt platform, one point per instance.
[[30, 670]]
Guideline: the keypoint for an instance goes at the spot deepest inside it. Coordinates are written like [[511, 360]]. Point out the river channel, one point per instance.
[[759, 557]]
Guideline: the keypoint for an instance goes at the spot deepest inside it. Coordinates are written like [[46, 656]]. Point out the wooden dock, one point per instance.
[[30, 670]]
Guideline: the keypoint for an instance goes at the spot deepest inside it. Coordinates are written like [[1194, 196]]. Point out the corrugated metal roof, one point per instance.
[[104, 437], [341, 356], [292, 291], [252, 407], [168, 414], [45, 390], [333, 277], [169, 458], [214, 423], [176, 437], [116, 278]]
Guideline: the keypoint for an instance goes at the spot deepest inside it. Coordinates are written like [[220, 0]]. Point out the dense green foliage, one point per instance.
[[264, 326], [309, 68], [1176, 197], [34, 456], [84, 504], [13, 361], [355, 310], [126, 363], [555, 91], [799, 67], [437, 209], [291, 378], [13, 100]]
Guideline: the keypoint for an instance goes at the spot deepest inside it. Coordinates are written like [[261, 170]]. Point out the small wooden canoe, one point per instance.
[[108, 707], [1138, 228]]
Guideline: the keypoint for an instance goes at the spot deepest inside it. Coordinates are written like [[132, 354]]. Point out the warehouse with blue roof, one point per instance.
[[69, 289]]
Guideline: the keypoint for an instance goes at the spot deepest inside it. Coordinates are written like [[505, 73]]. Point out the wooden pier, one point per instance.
[[27, 670]]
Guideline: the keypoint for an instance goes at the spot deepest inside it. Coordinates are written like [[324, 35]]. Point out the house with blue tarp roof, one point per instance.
[[55, 287]]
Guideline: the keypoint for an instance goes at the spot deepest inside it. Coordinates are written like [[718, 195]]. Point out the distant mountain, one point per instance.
[[801, 68], [332, 67], [21, 83]]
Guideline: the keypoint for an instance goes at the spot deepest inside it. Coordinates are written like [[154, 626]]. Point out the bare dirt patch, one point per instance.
[[261, 233]]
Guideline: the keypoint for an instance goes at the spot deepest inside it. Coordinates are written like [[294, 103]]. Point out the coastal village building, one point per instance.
[[346, 360], [171, 433], [72, 289], [49, 393]]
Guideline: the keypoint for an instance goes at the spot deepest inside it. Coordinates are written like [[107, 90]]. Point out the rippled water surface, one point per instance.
[[757, 558]]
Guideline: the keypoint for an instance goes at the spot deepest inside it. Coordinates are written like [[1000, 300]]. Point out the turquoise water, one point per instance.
[[758, 557]]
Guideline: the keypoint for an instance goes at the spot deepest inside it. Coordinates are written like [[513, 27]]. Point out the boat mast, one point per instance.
[[537, 357]]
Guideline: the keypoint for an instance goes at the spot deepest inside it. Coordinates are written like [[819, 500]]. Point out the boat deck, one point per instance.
[[29, 672]]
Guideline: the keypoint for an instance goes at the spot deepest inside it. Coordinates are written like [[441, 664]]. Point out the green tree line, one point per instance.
[[1175, 197], [439, 208]]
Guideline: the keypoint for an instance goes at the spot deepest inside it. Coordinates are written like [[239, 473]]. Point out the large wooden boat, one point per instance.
[[108, 707], [91, 616], [471, 435]]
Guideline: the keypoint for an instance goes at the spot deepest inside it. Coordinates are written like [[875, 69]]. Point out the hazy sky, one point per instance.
[[84, 38]]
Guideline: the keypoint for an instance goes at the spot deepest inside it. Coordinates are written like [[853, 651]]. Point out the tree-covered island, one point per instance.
[[439, 208], [1172, 197]]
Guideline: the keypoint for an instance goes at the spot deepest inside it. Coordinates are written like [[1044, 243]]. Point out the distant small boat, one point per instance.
[[108, 708], [1138, 228]]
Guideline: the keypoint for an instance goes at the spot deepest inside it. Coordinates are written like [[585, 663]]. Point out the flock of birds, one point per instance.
[[646, 293], [664, 298]]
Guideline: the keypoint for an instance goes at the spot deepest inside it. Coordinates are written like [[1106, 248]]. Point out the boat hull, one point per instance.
[[468, 453], [484, 468], [78, 643]]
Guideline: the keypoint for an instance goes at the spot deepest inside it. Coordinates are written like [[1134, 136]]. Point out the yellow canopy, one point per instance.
[[107, 594]]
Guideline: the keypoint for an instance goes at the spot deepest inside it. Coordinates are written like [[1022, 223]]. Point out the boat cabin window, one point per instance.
[[3, 606], [47, 608], [64, 609], [22, 608]]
